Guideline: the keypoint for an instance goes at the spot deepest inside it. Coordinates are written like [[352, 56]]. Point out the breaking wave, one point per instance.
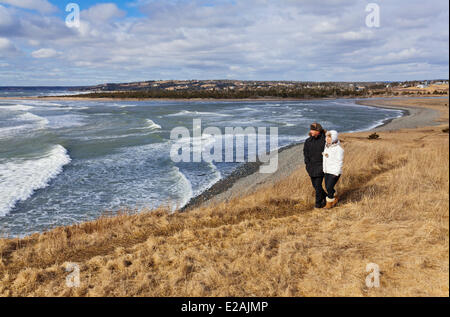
[[19, 179]]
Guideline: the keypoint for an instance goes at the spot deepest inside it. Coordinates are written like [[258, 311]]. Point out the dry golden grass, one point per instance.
[[430, 89], [394, 212]]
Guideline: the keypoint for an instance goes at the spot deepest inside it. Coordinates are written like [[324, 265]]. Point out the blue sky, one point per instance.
[[307, 40]]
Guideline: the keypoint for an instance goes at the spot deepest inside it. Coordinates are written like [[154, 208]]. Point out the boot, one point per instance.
[[334, 203], [330, 202]]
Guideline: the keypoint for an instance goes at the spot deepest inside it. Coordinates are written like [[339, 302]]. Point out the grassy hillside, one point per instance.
[[394, 212]]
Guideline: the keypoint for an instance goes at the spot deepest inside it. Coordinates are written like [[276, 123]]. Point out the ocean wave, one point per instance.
[[8, 132], [41, 103], [28, 116], [112, 137], [17, 108], [247, 109], [65, 121], [21, 178], [184, 188], [204, 140], [28, 122], [198, 113], [119, 105], [152, 125], [45, 105]]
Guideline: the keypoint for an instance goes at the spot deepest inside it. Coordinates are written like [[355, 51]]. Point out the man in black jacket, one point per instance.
[[312, 152]]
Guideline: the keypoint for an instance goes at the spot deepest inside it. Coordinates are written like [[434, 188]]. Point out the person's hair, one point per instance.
[[316, 127]]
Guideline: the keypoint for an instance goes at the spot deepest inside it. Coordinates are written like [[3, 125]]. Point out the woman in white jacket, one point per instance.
[[333, 160]]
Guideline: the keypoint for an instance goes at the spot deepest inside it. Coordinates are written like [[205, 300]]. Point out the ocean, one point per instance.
[[65, 162]]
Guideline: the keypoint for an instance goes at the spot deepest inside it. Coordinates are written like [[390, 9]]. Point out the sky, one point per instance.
[[301, 40]]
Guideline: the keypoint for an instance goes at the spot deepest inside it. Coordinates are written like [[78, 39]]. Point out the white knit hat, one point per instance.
[[334, 135]]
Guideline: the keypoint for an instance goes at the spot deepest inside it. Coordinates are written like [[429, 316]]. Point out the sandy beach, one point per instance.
[[247, 179]]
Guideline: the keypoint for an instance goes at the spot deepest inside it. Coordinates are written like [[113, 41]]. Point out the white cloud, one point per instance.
[[5, 44], [7, 48], [102, 13], [45, 53], [246, 39], [356, 35], [39, 5], [404, 54], [18, 23]]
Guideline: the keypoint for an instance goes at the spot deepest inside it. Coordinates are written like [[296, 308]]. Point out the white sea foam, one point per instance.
[[199, 113], [41, 103], [204, 140], [7, 132], [16, 108], [112, 137], [19, 179], [152, 125], [32, 122], [247, 109], [65, 121], [185, 189], [27, 116]]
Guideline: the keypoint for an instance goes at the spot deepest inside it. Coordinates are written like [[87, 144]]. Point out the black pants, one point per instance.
[[330, 182], [320, 192]]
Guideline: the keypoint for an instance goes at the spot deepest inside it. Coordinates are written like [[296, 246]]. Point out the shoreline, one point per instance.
[[246, 179]]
